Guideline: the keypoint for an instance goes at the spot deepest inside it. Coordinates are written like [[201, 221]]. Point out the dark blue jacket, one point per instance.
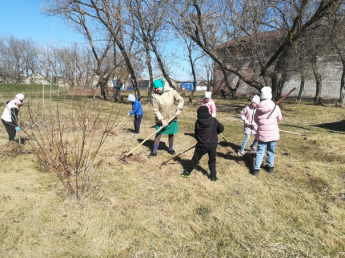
[[136, 108]]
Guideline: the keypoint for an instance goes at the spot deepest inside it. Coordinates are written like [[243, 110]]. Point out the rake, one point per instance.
[[130, 153]]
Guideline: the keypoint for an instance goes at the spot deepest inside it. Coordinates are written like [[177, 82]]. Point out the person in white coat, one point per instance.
[[10, 116]]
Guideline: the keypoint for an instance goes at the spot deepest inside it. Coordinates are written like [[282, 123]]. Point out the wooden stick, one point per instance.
[[279, 101], [177, 155], [291, 132], [287, 95], [224, 138], [121, 122], [129, 153]]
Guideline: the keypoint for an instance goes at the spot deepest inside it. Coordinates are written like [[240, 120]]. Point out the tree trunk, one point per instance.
[[317, 99], [125, 54], [117, 96], [194, 79], [226, 80], [103, 85], [301, 89], [278, 82], [149, 67], [116, 91], [161, 65], [234, 91], [280, 86], [342, 86], [274, 84], [190, 100]]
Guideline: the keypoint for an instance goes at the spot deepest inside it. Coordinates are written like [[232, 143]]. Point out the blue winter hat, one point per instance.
[[158, 83]]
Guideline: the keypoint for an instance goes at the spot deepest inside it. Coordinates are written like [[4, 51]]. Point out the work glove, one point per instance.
[[17, 128]]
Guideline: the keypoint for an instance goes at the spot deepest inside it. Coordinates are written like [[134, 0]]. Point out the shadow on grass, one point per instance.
[[234, 147], [22, 140], [184, 163], [149, 144], [231, 108], [296, 126], [334, 126], [190, 134], [248, 158]]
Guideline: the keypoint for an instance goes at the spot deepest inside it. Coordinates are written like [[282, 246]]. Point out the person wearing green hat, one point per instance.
[[163, 99]]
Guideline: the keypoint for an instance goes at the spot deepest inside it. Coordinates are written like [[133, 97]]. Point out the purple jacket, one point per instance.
[[267, 116], [247, 116]]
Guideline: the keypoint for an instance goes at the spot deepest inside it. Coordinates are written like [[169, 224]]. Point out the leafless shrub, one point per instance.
[[68, 141]]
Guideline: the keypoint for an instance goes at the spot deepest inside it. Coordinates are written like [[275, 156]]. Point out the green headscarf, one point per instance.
[[159, 83]]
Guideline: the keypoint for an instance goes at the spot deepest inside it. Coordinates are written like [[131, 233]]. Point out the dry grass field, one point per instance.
[[140, 209]]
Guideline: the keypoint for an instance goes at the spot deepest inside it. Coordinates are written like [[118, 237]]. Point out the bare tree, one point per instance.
[[144, 30], [49, 64], [337, 37], [100, 43], [244, 22], [318, 51], [301, 63], [193, 55], [108, 15], [67, 59], [150, 18], [18, 58], [104, 70]]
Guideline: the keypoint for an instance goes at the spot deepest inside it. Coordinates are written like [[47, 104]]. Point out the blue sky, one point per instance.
[[24, 19]]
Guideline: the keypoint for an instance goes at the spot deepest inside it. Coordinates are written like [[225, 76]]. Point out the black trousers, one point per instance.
[[137, 122], [10, 129], [198, 153]]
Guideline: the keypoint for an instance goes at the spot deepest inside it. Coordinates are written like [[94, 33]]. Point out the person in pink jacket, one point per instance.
[[249, 127], [209, 103], [267, 116]]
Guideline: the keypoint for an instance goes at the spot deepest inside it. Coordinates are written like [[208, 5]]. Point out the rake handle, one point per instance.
[[177, 155], [121, 122], [287, 95], [129, 153], [291, 132]]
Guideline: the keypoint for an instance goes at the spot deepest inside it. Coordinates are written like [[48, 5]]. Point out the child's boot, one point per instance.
[[185, 174], [254, 172], [240, 153], [268, 169]]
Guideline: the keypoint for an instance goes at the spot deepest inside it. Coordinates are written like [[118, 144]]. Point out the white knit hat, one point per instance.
[[19, 99], [131, 97], [266, 93], [256, 99], [19, 96], [207, 94]]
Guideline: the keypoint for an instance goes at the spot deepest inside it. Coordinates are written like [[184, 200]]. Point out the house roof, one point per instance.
[[264, 36]]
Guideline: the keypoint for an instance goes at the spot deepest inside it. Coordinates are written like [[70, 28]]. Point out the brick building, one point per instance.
[[237, 53]]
